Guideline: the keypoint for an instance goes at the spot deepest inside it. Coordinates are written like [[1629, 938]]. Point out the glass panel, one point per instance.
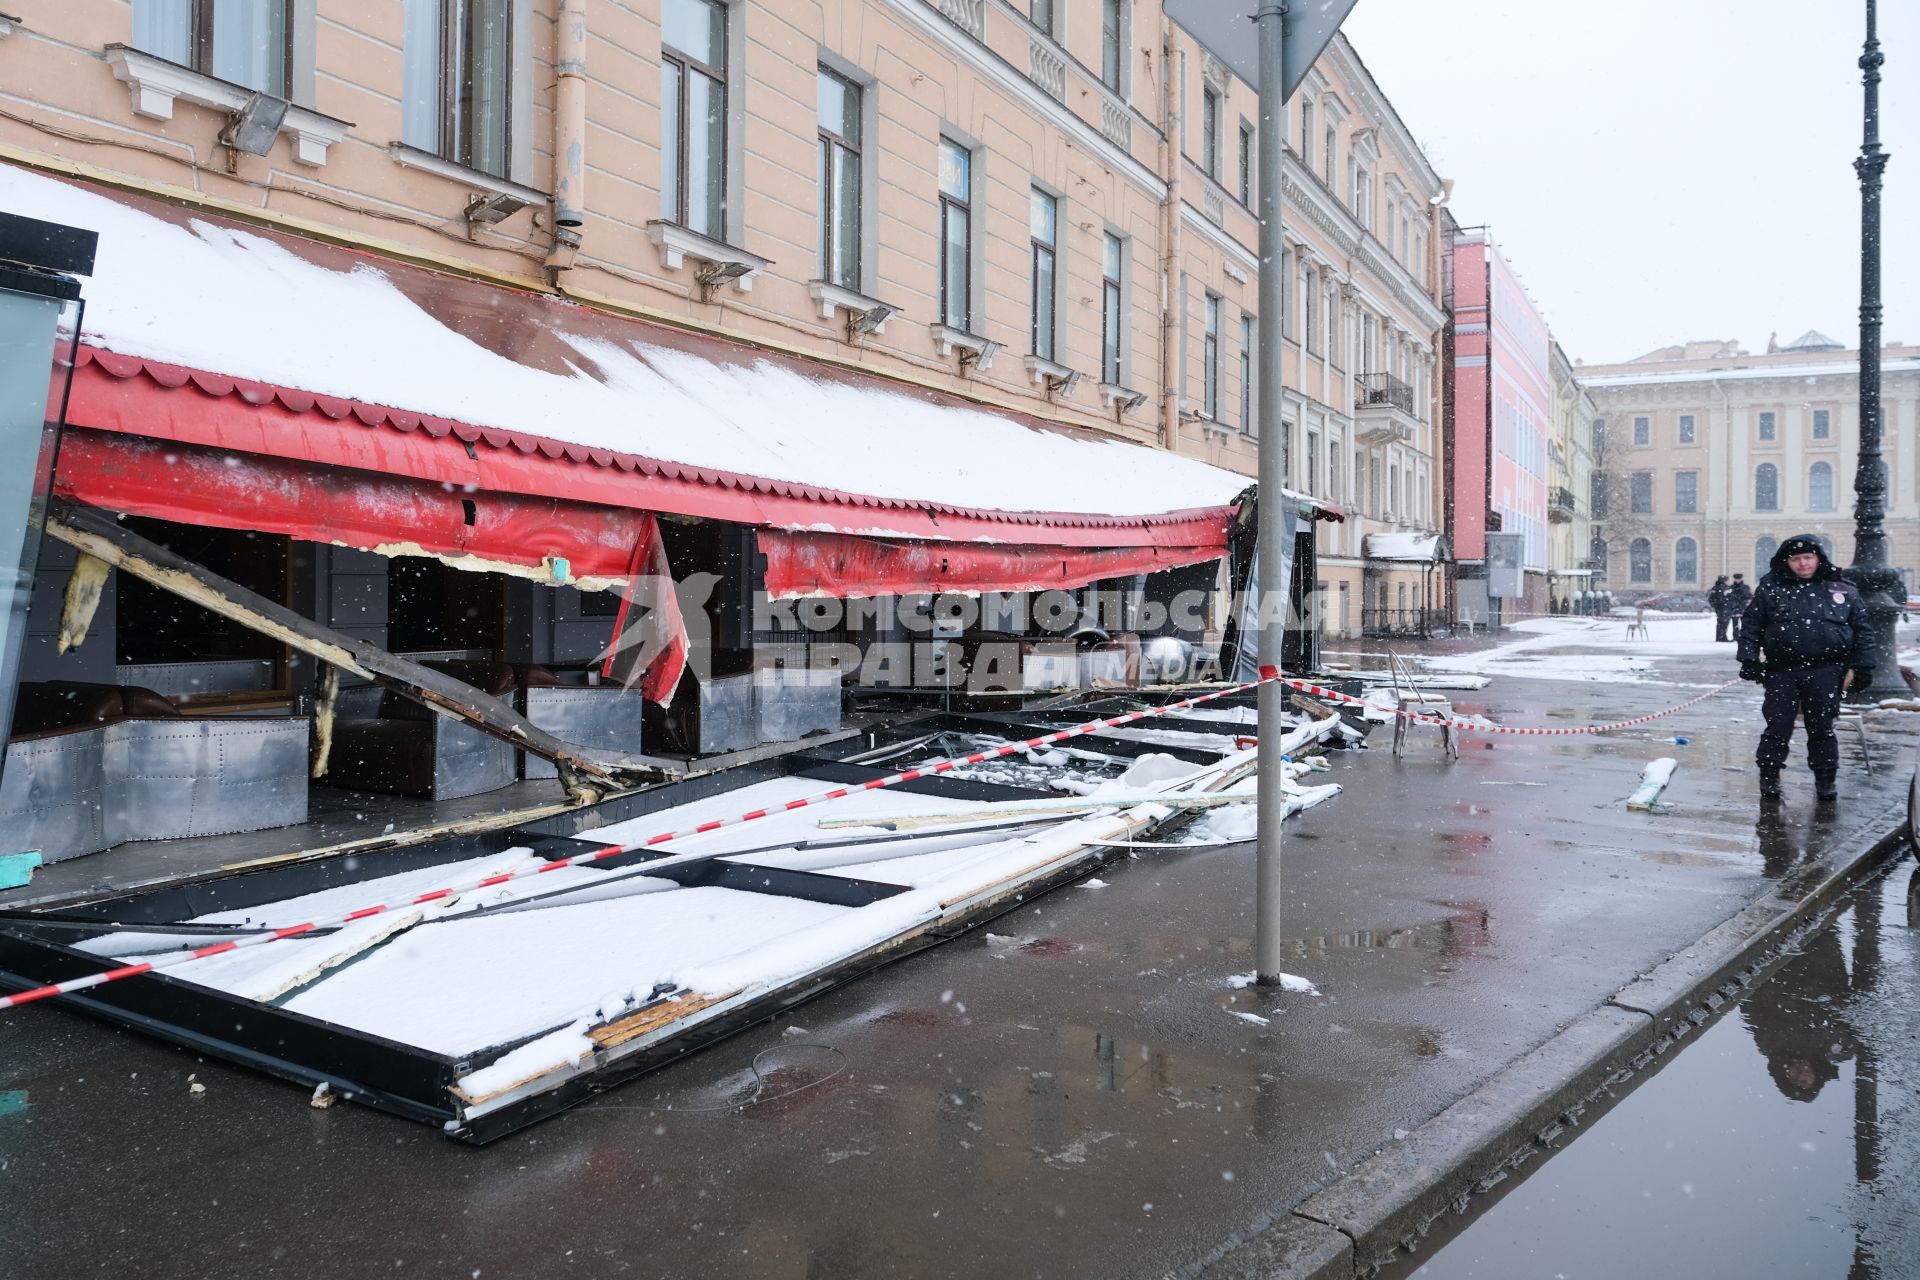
[[845, 267], [485, 44], [706, 155], [1042, 217], [1043, 15], [954, 166], [696, 28], [671, 161], [250, 44], [31, 354], [420, 75], [1110, 323], [164, 28], [1043, 303], [823, 179], [1110, 49], [839, 107], [955, 309], [1110, 258]]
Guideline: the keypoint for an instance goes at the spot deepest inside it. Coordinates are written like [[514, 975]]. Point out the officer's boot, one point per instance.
[[1825, 790], [1770, 784]]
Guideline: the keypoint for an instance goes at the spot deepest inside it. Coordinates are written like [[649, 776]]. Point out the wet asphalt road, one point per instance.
[[1064, 1093], [1783, 1142]]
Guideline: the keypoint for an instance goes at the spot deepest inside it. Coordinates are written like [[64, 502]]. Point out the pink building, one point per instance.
[[1497, 469]]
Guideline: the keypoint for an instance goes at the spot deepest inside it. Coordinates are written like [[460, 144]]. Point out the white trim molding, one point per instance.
[[676, 244], [483, 183], [950, 340], [156, 83]]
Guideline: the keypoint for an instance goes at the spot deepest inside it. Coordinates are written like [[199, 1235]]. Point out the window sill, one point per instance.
[[973, 349], [676, 244], [478, 180], [832, 297], [156, 83]]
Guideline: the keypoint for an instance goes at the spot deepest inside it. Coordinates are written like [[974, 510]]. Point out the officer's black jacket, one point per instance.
[[1816, 622]]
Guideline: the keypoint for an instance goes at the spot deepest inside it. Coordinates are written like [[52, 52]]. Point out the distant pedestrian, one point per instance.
[[1722, 608], [1739, 595], [1804, 637]]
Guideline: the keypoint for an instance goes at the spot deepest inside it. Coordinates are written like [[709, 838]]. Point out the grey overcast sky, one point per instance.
[[1665, 170]]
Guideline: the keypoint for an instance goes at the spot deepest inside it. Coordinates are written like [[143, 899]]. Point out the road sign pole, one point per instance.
[[1270, 792]]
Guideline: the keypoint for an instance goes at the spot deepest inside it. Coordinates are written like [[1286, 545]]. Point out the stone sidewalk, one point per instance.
[[1077, 1088]]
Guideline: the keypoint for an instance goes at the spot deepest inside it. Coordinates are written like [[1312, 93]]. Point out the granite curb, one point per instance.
[[1379, 1210]]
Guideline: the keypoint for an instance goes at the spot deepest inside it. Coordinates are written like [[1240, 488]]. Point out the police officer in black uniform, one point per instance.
[[1803, 636]]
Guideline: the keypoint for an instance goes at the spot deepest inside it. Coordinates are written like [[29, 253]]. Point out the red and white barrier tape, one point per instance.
[[1474, 726], [611, 851], [1267, 674]]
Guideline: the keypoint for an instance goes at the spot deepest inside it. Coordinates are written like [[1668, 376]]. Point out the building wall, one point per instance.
[[1031, 106], [1726, 399]]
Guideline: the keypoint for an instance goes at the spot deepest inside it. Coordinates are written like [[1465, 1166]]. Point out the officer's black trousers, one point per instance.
[[1813, 694]]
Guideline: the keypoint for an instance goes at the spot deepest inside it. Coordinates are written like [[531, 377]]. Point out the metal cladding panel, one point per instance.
[[729, 717], [54, 794], [606, 716], [467, 761], [212, 777], [796, 701]]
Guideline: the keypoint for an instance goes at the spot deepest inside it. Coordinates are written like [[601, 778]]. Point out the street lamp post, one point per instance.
[[1879, 585]]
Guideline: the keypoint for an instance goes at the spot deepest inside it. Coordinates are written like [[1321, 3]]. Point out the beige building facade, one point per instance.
[[1709, 456], [1044, 207], [1570, 571]]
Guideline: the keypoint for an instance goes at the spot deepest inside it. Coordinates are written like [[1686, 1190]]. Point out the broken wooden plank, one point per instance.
[[323, 709], [82, 601], [96, 533]]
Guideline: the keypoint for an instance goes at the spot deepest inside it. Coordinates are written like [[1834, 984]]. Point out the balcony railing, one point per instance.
[[1383, 390], [1560, 505], [1404, 624]]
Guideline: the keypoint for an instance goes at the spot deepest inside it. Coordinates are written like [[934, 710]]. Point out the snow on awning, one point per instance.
[[205, 332], [1407, 548]]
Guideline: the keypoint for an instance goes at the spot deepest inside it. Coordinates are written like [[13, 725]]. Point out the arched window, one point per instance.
[[1820, 487], [1766, 487], [1686, 561], [1763, 556], [1640, 561], [1597, 555]]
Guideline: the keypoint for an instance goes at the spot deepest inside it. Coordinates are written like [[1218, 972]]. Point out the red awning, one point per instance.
[[833, 564]]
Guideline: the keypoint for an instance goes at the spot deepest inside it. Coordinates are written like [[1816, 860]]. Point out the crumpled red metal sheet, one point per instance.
[[843, 566]]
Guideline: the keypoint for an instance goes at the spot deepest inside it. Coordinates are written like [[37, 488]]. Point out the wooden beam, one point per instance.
[[95, 533]]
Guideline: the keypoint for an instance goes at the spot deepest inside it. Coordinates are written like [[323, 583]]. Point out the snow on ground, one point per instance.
[[1594, 650]]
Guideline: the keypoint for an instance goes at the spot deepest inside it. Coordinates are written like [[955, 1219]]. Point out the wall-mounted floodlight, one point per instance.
[[715, 274], [255, 125], [872, 320], [498, 206], [982, 357], [1063, 386], [1132, 402]]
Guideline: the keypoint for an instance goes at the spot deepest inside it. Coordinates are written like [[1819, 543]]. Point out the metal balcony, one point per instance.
[[1561, 508], [1383, 409]]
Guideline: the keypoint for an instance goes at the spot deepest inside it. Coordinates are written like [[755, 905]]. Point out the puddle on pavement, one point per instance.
[[1783, 1141]]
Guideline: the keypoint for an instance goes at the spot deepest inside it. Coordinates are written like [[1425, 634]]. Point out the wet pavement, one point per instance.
[[1784, 1141], [1071, 1090]]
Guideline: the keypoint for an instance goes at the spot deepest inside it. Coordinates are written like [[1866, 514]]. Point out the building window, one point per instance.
[[1112, 318], [693, 106], [1044, 16], [1643, 431], [1686, 491], [1246, 163], [1327, 160], [249, 42], [1763, 550], [1210, 360], [1597, 554], [1334, 450], [1210, 133], [1768, 426], [1376, 498], [1313, 461], [1686, 561], [1113, 43], [457, 79], [1641, 493], [1248, 346], [956, 235], [1766, 487], [1044, 229], [1686, 428], [1640, 561], [839, 180], [1310, 291], [1822, 424], [1599, 436], [1363, 196], [1820, 487], [1306, 131]]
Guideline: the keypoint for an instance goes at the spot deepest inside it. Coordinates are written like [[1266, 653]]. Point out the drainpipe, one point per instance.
[[569, 137], [1170, 163], [1726, 478]]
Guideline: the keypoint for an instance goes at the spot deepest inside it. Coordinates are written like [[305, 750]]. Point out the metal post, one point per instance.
[[1879, 585], [1270, 794]]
